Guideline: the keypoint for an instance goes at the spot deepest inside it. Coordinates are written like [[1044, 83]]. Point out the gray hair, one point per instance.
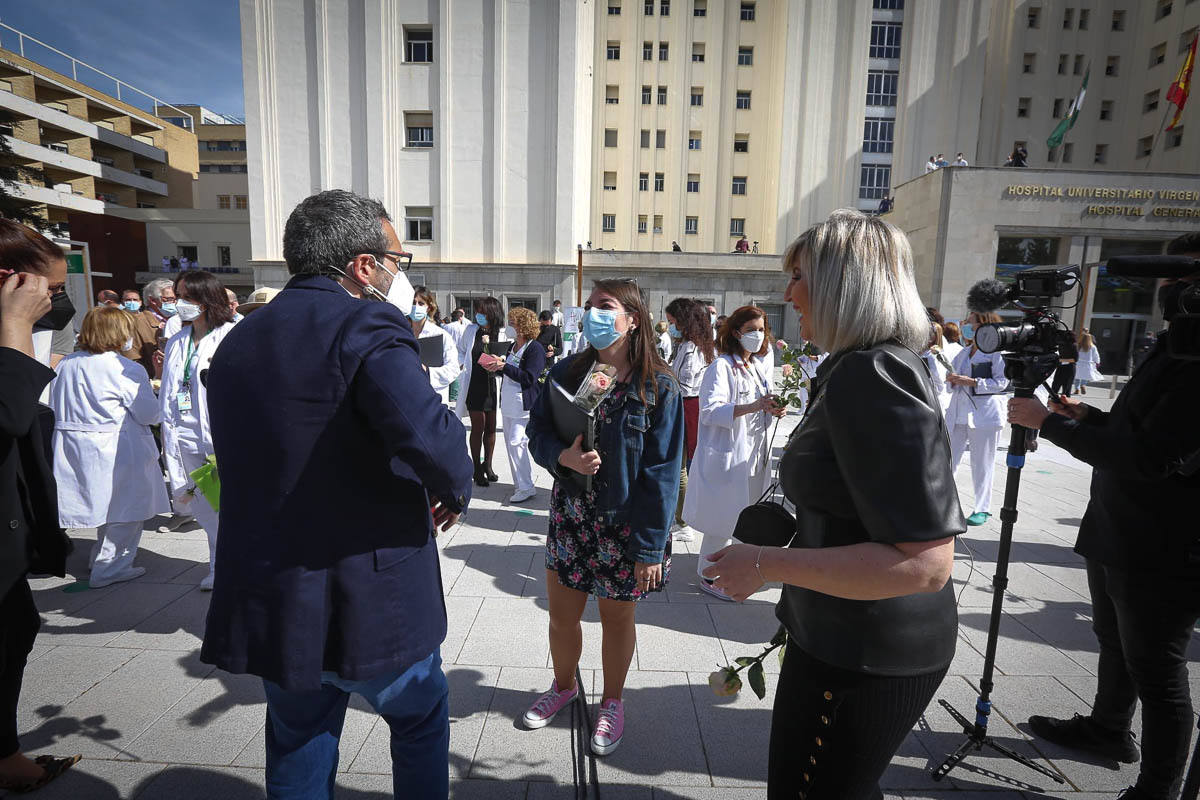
[[861, 288], [331, 228], [154, 289]]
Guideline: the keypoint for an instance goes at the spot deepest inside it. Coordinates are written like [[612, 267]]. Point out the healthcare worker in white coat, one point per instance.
[[976, 412], [731, 468], [105, 457], [519, 391], [186, 437], [939, 366], [424, 309]]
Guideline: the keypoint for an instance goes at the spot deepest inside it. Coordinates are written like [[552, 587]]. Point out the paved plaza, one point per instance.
[[115, 674]]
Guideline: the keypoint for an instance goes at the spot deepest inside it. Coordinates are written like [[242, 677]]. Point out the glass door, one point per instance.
[[1116, 336]]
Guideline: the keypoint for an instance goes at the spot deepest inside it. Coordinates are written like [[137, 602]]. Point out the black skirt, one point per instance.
[[483, 394]]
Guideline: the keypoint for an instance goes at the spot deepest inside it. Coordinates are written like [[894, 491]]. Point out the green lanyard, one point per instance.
[[187, 362]]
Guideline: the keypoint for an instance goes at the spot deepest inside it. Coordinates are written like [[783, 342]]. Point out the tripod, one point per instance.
[[977, 732]]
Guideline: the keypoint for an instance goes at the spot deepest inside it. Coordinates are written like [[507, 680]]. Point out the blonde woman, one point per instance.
[[867, 602], [519, 392], [1088, 364], [105, 457]]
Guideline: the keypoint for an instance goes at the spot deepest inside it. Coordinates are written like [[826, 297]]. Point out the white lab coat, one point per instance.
[[985, 408], [688, 365], [441, 377], [105, 458], [196, 420], [665, 346], [730, 469], [455, 329], [1087, 366], [465, 345], [172, 326], [937, 377]]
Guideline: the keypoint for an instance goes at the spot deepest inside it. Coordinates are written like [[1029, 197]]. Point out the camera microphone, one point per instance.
[[1153, 266], [987, 295]]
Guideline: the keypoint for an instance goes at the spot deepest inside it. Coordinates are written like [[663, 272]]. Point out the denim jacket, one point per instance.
[[641, 452]]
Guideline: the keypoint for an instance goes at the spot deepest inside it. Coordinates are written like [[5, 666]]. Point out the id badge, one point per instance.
[[183, 401]]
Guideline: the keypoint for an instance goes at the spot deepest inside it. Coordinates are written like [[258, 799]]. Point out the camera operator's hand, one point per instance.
[[1027, 411], [1070, 408]]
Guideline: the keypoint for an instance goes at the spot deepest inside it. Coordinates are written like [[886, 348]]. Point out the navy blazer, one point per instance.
[[533, 364], [330, 445]]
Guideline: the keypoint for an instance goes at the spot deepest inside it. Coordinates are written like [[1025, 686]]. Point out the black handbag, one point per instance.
[[765, 524]]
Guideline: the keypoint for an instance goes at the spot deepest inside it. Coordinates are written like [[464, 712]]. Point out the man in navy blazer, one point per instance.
[[338, 462]]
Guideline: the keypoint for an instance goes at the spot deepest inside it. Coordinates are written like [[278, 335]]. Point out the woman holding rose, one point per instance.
[[613, 539], [479, 396], [867, 604]]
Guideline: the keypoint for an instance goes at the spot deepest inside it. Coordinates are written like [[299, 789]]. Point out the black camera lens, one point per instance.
[[996, 336]]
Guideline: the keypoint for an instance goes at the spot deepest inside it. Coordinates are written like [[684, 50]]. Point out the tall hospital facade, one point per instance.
[[503, 135]]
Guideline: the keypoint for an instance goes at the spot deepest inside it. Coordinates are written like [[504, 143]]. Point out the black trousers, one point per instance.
[[1144, 623], [19, 623], [834, 732], [1064, 380]]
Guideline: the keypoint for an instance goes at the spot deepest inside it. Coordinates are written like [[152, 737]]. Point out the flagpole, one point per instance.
[[1154, 144]]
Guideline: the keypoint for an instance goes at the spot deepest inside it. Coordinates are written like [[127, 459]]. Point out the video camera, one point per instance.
[[1180, 300]]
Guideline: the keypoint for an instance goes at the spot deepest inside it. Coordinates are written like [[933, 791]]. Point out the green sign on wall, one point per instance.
[[74, 263]]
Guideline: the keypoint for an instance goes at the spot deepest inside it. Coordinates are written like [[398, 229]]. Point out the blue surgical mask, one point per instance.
[[418, 313], [481, 320], [132, 306], [967, 330], [600, 327], [673, 331], [168, 309]]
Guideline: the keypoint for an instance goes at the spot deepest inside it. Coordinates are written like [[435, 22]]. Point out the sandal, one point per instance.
[[52, 766]]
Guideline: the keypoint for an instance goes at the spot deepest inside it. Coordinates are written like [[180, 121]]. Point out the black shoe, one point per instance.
[[1080, 733], [1134, 793], [480, 476], [491, 476]]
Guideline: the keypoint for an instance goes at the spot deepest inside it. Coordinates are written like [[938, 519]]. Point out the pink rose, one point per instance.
[[787, 370], [781, 344]]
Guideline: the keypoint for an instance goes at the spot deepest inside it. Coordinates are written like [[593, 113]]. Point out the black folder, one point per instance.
[[432, 354], [570, 421]]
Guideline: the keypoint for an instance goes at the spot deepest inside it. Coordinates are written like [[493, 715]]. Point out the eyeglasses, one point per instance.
[[402, 260]]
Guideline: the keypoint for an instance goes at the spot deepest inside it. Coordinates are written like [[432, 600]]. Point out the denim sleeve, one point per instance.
[[656, 487], [544, 444]]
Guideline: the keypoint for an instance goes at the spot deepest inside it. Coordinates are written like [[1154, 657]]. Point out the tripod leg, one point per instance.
[[1020, 759], [968, 728], [954, 758]]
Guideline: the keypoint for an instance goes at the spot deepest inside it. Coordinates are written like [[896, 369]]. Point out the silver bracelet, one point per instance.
[[758, 563]]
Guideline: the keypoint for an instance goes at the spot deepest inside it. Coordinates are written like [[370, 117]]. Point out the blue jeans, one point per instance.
[[303, 729]]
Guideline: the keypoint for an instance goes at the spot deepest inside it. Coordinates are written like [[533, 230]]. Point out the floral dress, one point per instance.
[[588, 554]]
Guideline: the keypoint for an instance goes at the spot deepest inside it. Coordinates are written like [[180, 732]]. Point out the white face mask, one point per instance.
[[128, 345], [752, 342], [187, 311], [400, 294]]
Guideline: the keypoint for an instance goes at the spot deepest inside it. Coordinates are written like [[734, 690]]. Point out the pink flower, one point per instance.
[[781, 344], [600, 381], [787, 370]]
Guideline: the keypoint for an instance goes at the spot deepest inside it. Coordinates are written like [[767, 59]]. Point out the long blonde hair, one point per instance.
[[1086, 341]]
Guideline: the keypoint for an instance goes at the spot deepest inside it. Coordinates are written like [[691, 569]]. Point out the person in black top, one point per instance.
[[482, 387], [1142, 545], [33, 274], [550, 336], [867, 603]]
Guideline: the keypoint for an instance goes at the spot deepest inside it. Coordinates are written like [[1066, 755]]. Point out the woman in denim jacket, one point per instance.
[[612, 541]]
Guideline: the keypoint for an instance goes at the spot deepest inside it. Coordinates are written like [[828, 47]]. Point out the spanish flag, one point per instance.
[[1178, 93]]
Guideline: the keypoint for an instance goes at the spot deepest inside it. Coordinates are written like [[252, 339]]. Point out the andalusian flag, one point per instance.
[[1178, 93], [1072, 114]]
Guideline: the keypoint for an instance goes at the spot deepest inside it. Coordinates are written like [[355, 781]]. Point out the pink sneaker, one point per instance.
[[610, 725], [547, 706]]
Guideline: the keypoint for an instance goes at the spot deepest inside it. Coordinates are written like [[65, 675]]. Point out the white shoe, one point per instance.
[[207, 583], [176, 522], [709, 588], [521, 495], [128, 575], [683, 533]]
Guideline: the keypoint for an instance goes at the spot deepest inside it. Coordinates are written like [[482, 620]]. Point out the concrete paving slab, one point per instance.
[[508, 632]]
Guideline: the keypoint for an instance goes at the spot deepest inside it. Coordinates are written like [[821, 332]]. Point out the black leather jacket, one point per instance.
[[871, 463]]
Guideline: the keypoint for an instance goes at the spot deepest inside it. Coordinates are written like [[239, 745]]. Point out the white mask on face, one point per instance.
[[187, 310], [128, 345], [752, 342], [400, 294]]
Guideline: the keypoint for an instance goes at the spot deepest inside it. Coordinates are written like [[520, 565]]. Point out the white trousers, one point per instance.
[[983, 460], [516, 443], [114, 551], [193, 455], [712, 542]]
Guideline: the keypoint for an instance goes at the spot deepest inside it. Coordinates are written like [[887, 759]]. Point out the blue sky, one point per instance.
[[182, 51]]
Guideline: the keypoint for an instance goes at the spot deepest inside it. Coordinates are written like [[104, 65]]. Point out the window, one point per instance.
[[1084, 15], [691, 225], [737, 227], [1101, 154], [610, 137], [881, 87], [874, 181], [739, 184], [1158, 54], [878, 134], [145, 173], [1162, 10], [741, 143], [1034, 17], [646, 91], [104, 160], [1068, 18], [697, 96], [608, 223], [1023, 106], [57, 147], [648, 8], [662, 95], [1063, 61], [1174, 138], [889, 5], [1068, 152], [1149, 101], [743, 99], [747, 12], [614, 51], [641, 223], [224, 256], [645, 139], [698, 52], [610, 181], [7, 130], [745, 56], [658, 223], [660, 139], [885, 40], [693, 183], [693, 140], [1029, 62], [611, 95], [1112, 66], [418, 129], [146, 205], [643, 182], [700, 8], [1144, 145], [1078, 68], [1106, 109], [418, 223], [1185, 39], [1058, 107], [418, 45], [1118, 21], [663, 51], [664, 8], [223, 201], [614, 8], [647, 51], [659, 182]]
